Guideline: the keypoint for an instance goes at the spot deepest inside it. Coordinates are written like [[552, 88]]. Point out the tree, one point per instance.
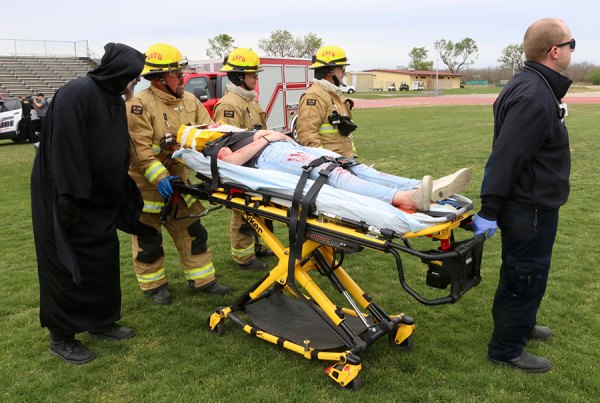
[[512, 58], [594, 77], [457, 55], [417, 59], [283, 44], [220, 46]]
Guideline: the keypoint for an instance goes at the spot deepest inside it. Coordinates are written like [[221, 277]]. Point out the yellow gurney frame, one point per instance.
[[325, 237]]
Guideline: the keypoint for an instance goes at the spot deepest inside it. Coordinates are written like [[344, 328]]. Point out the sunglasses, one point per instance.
[[571, 44]]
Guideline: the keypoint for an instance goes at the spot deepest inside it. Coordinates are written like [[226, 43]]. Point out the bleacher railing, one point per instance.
[[35, 47]]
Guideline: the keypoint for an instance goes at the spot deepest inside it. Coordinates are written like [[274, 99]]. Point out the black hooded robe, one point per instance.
[[81, 193]]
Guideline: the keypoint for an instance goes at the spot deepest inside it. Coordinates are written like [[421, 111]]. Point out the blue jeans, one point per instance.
[[527, 239], [286, 156]]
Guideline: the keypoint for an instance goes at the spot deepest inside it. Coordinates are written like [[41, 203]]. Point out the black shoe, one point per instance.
[[253, 264], [71, 351], [211, 288], [541, 333], [526, 362], [161, 296], [113, 332]]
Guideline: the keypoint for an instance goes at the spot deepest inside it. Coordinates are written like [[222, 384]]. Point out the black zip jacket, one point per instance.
[[530, 161]]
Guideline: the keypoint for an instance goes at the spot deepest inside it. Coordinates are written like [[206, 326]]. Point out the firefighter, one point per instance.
[[324, 115], [239, 108], [152, 114]]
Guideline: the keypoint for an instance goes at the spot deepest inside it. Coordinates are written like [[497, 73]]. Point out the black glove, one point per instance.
[[68, 211]]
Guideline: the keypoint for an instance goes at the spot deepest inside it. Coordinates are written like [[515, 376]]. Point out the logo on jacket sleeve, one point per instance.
[[136, 109], [311, 102], [228, 114]]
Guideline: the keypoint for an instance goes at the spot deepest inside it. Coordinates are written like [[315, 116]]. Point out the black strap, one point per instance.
[[212, 148], [301, 207]]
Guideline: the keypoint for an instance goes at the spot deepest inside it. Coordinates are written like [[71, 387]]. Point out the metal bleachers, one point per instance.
[[28, 75]]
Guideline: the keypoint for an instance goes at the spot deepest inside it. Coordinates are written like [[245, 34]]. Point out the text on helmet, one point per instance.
[[155, 55]]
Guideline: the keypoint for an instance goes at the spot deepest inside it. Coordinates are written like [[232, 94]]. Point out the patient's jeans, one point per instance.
[[527, 239], [285, 156]]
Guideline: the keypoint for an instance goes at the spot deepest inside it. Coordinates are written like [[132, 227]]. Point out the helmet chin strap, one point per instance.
[[169, 89], [336, 80]]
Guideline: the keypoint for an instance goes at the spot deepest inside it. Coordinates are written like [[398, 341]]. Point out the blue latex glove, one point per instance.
[[164, 186], [483, 226]]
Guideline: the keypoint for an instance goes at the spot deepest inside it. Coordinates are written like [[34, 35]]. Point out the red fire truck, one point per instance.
[[279, 88]]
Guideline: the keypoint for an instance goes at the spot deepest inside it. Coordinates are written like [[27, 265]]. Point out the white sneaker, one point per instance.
[[422, 194], [450, 184]]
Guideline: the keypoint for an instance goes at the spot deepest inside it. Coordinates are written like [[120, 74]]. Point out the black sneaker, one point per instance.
[[526, 362], [541, 333], [113, 332], [211, 288], [253, 264], [71, 351], [161, 296]]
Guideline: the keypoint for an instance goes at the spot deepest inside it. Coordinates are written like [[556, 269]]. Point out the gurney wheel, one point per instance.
[[352, 385], [219, 329], [406, 345]]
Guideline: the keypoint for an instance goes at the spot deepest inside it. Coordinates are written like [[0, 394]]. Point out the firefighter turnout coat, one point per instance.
[[151, 114], [236, 110], [313, 126]]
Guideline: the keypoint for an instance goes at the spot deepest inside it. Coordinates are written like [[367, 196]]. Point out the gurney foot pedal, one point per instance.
[[346, 374], [216, 324]]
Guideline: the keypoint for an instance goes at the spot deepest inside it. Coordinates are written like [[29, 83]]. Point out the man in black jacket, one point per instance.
[[526, 180], [80, 195]]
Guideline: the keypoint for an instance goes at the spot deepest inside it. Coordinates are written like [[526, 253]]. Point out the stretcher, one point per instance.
[[289, 305]]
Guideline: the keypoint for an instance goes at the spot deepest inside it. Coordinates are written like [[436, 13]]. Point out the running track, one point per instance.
[[476, 99]]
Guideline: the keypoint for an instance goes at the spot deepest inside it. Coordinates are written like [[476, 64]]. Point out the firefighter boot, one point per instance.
[[211, 288], [252, 264], [160, 295]]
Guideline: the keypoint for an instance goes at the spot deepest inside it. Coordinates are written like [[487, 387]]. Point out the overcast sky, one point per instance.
[[375, 34]]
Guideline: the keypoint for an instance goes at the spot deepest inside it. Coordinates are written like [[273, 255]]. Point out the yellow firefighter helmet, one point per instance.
[[161, 58], [329, 56], [241, 60]]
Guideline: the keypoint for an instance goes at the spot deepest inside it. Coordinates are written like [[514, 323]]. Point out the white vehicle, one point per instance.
[[418, 86], [10, 116], [348, 89]]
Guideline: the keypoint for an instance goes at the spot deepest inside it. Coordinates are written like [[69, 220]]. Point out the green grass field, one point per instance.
[[174, 358]]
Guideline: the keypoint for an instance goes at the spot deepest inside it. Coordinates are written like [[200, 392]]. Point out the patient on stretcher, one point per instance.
[[268, 149]]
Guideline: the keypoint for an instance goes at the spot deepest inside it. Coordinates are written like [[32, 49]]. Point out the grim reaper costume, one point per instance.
[[81, 194]]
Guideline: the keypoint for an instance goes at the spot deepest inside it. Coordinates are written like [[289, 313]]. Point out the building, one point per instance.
[[383, 80]]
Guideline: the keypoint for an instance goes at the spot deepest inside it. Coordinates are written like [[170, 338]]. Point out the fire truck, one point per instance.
[[280, 86]]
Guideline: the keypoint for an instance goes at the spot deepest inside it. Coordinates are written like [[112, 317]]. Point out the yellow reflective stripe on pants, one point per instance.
[[328, 129], [199, 272], [152, 207], [154, 171], [156, 149], [249, 251], [189, 200], [148, 278]]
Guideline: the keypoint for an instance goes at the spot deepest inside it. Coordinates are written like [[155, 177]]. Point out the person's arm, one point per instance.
[[312, 113], [261, 139]]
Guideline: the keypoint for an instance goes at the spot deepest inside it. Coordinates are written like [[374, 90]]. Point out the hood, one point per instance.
[[119, 65]]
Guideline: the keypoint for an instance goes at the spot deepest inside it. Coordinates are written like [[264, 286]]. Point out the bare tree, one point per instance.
[[220, 46], [283, 44], [457, 55], [512, 58], [417, 59]]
